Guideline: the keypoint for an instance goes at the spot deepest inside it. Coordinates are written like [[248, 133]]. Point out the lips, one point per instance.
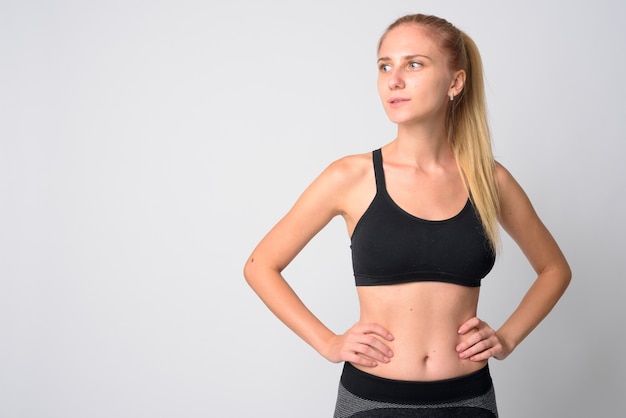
[[397, 101]]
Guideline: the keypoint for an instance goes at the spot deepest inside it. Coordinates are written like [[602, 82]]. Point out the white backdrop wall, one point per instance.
[[147, 146]]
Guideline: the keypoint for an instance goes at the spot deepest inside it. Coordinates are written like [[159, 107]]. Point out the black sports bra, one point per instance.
[[391, 246]]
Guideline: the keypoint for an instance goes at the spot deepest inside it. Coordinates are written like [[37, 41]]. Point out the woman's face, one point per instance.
[[414, 81]]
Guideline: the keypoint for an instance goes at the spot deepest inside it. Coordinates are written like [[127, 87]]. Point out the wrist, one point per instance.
[[324, 344], [508, 343], [327, 348]]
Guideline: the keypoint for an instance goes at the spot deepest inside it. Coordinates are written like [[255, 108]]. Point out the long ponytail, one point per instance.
[[468, 133]]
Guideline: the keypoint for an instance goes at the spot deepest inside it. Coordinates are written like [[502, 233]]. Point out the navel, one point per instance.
[[426, 357]]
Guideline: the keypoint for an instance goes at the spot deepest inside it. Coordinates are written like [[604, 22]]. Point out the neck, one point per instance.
[[422, 146]]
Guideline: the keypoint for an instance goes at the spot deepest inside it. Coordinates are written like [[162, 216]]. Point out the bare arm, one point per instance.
[[320, 202], [520, 221]]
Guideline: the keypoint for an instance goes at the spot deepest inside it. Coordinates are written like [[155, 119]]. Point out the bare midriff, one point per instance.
[[424, 318]]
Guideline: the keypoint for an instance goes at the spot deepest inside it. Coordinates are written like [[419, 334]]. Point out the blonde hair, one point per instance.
[[466, 118]]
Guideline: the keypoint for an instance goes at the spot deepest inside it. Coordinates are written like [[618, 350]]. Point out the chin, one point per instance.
[[412, 117], [400, 119]]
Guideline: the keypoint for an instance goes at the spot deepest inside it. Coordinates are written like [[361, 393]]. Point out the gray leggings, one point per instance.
[[362, 395]]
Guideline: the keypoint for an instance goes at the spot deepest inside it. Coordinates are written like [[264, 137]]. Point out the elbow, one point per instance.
[[258, 272], [567, 274], [248, 270], [253, 271], [559, 275]]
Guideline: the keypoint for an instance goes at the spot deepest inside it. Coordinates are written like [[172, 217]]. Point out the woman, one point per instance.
[[423, 214]]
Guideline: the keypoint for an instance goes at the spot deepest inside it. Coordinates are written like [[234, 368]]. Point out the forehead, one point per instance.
[[409, 39]]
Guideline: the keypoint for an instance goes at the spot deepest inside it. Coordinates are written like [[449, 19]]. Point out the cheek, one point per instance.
[[442, 87], [432, 95]]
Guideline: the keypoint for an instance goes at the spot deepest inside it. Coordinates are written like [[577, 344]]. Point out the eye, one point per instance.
[[414, 65], [384, 67]]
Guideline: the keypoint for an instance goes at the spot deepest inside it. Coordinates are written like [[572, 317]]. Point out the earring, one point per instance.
[[451, 96]]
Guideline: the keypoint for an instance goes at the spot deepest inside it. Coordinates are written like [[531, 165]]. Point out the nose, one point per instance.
[[395, 80]]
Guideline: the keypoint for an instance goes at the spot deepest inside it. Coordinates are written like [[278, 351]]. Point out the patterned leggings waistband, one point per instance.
[[364, 395]]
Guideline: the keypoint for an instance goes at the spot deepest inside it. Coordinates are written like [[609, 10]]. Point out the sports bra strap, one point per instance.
[[379, 173]]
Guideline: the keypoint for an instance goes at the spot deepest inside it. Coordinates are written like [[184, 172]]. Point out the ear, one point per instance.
[[458, 82]]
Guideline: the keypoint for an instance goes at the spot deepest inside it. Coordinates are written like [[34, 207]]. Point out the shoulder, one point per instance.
[[338, 181], [346, 184], [503, 176], [348, 170], [506, 183], [351, 165], [515, 206]]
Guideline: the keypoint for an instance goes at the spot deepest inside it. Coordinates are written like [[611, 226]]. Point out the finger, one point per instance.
[[475, 349], [469, 325], [472, 340], [494, 350], [356, 358], [485, 355], [363, 361], [380, 346], [488, 347], [372, 347], [363, 354], [378, 330]]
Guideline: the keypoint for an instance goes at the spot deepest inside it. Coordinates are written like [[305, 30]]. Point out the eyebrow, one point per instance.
[[406, 57]]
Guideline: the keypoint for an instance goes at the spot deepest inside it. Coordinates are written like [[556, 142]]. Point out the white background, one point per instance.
[[147, 146]]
